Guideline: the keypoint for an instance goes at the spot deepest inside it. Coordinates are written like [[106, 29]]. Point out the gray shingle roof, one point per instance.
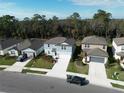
[[24, 44], [59, 40], [5, 43], [33, 43], [94, 40], [120, 54], [97, 52], [119, 41], [70, 41], [36, 43]]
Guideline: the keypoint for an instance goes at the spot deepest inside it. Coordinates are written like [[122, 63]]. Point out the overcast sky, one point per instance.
[[60, 8]]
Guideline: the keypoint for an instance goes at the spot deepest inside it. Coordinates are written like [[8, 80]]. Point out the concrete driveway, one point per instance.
[[18, 66], [97, 74], [59, 69]]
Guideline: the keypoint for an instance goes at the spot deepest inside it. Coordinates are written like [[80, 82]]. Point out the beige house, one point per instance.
[[95, 49]]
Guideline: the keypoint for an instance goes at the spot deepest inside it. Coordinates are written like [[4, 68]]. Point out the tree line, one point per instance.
[[102, 24]]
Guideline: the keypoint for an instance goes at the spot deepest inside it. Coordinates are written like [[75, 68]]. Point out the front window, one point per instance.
[[12, 52], [87, 45], [64, 47], [48, 45], [54, 50], [122, 48], [103, 46]]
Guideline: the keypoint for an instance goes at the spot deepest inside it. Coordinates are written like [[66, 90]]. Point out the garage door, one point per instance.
[[97, 59], [29, 54]]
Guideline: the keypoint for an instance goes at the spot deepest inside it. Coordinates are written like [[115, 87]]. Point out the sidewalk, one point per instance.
[[59, 69], [18, 66]]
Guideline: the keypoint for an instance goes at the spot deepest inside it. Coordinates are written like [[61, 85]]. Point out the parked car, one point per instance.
[[76, 80], [22, 58]]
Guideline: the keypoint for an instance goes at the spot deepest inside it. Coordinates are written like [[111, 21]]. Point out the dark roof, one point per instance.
[[36, 43], [119, 41], [24, 44], [94, 40], [56, 40], [120, 54], [60, 40], [33, 43], [97, 52], [70, 41], [5, 43]]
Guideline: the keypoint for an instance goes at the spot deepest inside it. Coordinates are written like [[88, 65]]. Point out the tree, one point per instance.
[[102, 19], [76, 23], [8, 25]]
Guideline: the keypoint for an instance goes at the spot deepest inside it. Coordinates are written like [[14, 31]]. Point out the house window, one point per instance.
[[87, 45], [48, 45], [12, 52], [54, 50], [103, 46], [64, 47], [122, 48], [48, 52]]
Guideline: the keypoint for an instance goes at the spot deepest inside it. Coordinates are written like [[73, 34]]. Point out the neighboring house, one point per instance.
[[7, 44], [16, 51], [59, 46], [35, 48], [31, 47], [118, 48], [95, 48]]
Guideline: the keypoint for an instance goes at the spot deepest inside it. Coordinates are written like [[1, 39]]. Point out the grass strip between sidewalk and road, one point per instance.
[[117, 86], [32, 71]]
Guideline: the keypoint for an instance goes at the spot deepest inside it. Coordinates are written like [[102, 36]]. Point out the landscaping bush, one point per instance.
[[76, 53]]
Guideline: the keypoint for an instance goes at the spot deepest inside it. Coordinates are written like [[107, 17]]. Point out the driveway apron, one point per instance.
[[97, 74], [18, 66]]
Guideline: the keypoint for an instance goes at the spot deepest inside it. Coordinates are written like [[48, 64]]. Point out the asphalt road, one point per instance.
[[22, 83]]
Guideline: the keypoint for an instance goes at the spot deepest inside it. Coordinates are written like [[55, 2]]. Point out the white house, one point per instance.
[[7, 44], [31, 47], [59, 46], [95, 49], [118, 48]]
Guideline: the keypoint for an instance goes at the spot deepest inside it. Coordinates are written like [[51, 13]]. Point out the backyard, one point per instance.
[[41, 61], [6, 60]]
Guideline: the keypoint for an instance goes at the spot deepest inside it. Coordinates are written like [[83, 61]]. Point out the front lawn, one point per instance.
[[115, 68], [6, 60], [117, 86], [78, 67], [2, 69], [41, 61]]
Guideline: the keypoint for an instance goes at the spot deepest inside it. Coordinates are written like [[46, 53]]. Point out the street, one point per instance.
[[21, 83]]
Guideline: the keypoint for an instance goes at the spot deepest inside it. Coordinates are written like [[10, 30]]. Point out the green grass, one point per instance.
[[41, 62], [32, 71], [6, 60], [2, 69], [83, 69], [117, 86], [115, 67]]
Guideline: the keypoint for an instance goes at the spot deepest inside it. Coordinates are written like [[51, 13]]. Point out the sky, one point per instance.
[[60, 8]]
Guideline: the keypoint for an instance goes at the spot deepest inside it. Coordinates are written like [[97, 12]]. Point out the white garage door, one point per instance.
[[29, 54], [97, 59]]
